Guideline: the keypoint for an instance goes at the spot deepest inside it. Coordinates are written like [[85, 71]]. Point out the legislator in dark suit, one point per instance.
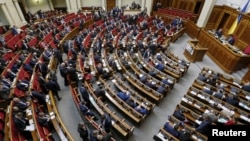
[[54, 87]]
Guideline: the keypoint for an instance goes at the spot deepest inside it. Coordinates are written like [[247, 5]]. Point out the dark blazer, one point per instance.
[[107, 123], [53, 86], [42, 68], [39, 96], [179, 115], [84, 93], [246, 88], [203, 127], [20, 124], [171, 130], [21, 105], [123, 96], [160, 67]]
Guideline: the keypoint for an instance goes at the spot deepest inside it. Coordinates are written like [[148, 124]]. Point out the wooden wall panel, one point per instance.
[[192, 29], [215, 17]]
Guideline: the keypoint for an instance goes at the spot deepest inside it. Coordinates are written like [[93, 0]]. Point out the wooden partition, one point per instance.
[[192, 29], [220, 52]]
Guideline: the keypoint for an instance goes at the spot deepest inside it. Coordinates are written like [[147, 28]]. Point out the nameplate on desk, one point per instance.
[[51, 113], [192, 92], [52, 117]]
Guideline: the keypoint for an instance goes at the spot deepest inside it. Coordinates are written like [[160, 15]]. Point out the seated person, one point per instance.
[[161, 89], [124, 95], [203, 127], [233, 100], [131, 103], [22, 105], [202, 77], [219, 94], [22, 85], [218, 33], [21, 123], [167, 82], [159, 66], [246, 86], [143, 78], [231, 39], [142, 110], [27, 67], [152, 73], [44, 120], [173, 130], [85, 110], [184, 135], [208, 90], [179, 114]]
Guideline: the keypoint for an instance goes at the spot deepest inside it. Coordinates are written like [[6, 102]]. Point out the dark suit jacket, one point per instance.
[[21, 105], [20, 123], [39, 96], [85, 94], [171, 130], [246, 88], [53, 86], [203, 127], [179, 115]]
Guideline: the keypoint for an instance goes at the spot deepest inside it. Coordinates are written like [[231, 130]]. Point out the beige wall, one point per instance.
[[129, 2], [3, 20], [90, 3], [14, 13], [33, 6], [59, 3]]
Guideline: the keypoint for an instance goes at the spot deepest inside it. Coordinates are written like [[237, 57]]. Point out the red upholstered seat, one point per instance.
[[247, 50]]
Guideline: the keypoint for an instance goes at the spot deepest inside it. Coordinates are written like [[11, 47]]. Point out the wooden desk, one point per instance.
[[222, 55], [193, 52]]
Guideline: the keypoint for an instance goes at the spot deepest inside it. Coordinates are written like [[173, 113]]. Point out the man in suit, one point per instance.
[[53, 87], [161, 89], [63, 72], [123, 95], [21, 123], [83, 131], [22, 85], [231, 39], [171, 129], [42, 68], [10, 74], [37, 95], [85, 110], [42, 83], [72, 74], [142, 110], [203, 127], [179, 114], [4, 92], [202, 77], [159, 66], [233, 100], [246, 86], [100, 92], [219, 94], [44, 120], [106, 122], [22, 105], [219, 33], [85, 95]]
